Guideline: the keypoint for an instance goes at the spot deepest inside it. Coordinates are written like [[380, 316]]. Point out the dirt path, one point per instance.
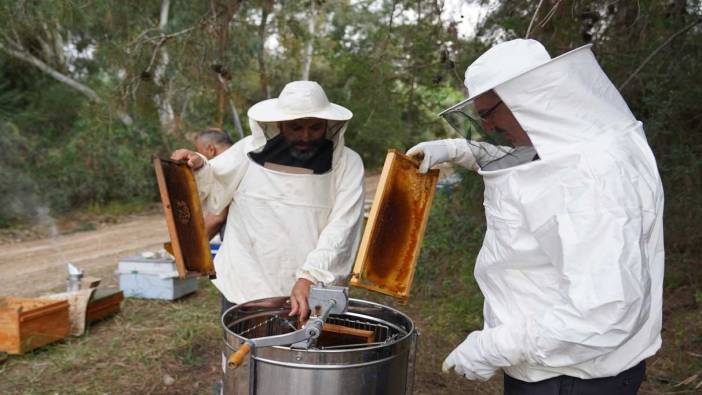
[[31, 268]]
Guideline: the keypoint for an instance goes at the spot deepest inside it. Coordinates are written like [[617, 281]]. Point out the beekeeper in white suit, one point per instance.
[[295, 197], [571, 266]]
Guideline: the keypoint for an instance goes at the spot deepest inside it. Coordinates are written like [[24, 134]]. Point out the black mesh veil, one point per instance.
[[492, 148], [291, 151], [271, 130]]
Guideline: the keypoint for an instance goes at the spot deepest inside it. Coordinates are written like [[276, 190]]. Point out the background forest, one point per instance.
[[89, 90]]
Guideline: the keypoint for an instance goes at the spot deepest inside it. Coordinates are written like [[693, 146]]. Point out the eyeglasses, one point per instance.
[[470, 123], [484, 114]]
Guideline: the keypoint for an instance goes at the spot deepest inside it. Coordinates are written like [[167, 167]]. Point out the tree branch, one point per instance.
[[550, 14], [232, 107], [38, 63], [655, 51], [58, 76], [536, 12]]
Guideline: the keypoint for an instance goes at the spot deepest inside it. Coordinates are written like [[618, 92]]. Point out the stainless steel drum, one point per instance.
[[382, 363]]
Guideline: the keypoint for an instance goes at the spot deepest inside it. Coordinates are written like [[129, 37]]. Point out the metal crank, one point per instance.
[[322, 301]]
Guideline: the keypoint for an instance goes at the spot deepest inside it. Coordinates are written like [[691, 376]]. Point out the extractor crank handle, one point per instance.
[[236, 359]]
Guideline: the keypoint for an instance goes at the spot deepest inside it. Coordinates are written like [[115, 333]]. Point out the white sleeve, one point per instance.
[[338, 242], [605, 294], [218, 179]]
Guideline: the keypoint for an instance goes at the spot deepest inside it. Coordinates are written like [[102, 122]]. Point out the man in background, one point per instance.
[[210, 143]]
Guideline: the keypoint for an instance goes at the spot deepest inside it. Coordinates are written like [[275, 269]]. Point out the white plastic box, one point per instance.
[[153, 278]]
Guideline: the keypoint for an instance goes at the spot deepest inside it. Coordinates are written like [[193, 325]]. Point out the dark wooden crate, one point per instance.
[[104, 303]]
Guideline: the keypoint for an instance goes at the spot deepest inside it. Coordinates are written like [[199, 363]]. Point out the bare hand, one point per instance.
[[194, 160], [298, 298]]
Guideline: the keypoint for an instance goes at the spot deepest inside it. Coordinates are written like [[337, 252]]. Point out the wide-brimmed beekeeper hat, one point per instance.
[[505, 62], [299, 99]]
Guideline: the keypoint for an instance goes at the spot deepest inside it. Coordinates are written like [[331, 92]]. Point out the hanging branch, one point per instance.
[[58, 76], [55, 74], [655, 51], [536, 12], [550, 14], [232, 107]]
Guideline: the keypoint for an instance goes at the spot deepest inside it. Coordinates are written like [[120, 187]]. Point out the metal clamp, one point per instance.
[[322, 301]]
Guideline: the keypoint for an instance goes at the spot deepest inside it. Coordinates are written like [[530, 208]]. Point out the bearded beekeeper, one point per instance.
[[295, 197], [571, 266]]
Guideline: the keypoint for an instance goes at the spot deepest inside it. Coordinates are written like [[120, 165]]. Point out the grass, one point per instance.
[[130, 353], [137, 351]]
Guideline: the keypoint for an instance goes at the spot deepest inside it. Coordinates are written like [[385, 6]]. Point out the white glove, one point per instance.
[[467, 360], [434, 152]]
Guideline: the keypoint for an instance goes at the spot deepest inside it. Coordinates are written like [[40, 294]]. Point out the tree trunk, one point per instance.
[[263, 75], [166, 114], [223, 13], [310, 43]]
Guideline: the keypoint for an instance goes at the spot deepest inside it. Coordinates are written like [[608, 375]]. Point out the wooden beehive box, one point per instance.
[[391, 241], [104, 303], [26, 324]]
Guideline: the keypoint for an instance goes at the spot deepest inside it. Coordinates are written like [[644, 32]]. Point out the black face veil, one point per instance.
[[491, 148]]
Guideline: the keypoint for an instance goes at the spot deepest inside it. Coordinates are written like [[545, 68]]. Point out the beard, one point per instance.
[[306, 154]]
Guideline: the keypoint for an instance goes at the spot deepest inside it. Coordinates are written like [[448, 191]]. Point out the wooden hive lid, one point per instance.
[[186, 225]]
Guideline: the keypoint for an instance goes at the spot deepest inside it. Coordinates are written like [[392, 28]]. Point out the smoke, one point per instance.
[[43, 218], [21, 203]]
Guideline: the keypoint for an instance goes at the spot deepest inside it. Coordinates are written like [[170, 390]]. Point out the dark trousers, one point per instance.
[[625, 383], [224, 305]]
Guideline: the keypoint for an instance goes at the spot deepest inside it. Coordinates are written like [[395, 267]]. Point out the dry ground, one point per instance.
[[32, 267]]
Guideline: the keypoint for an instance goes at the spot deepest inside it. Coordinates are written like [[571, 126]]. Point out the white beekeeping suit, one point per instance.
[[571, 266], [283, 226]]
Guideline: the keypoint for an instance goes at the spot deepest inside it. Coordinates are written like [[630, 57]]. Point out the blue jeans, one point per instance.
[[625, 383]]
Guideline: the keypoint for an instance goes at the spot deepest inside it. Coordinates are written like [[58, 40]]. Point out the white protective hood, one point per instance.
[[567, 102], [571, 266], [283, 226]]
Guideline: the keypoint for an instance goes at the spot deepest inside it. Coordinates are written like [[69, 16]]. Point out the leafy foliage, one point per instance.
[[136, 83]]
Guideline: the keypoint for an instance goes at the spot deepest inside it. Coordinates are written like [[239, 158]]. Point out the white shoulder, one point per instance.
[[244, 144], [352, 160]]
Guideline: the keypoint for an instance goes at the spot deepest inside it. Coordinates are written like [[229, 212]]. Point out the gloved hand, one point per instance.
[[431, 153], [466, 360]]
